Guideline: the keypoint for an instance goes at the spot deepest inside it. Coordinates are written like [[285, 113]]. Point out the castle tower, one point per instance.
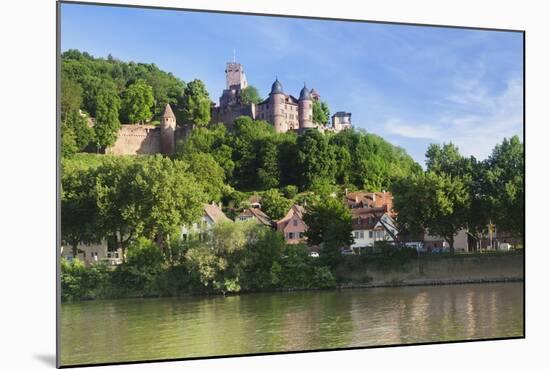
[[235, 79], [305, 109], [168, 131], [277, 107]]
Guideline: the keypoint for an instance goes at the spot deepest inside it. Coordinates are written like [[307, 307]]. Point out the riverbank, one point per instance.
[[443, 270], [353, 272]]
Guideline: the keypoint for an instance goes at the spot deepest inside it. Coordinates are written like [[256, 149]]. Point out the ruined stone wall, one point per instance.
[[136, 139]]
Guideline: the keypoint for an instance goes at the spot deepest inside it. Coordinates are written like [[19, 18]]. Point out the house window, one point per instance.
[[301, 234], [295, 222], [370, 234], [361, 235], [290, 235], [355, 234]]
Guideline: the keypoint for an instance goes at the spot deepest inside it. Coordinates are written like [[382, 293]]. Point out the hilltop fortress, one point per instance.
[[284, 111]]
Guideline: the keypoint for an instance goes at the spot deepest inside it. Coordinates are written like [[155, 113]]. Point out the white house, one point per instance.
[[370, 226], [212, 214], [93, 253]]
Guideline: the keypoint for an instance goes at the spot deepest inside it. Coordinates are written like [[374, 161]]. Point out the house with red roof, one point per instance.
[[292, 225]]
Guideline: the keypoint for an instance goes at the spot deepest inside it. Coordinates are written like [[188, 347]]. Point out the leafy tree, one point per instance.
[[446, 159], [248, 137], [138, 102], [315, 157], [329, 225], [213, 140], [165, 197], [294, 269], [505, 185], [274, 204], [290, 191], [83, 134], [71, 96], [208, 174], [106, 124], [142, 268], [196, 104], [250, 95], [269, 173], [321, 112], [263, 248], [217, 260], [119, 216], [79, 213], [68, 141], [434, 202]]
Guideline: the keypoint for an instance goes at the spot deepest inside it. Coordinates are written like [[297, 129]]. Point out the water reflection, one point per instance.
[[144, 329]]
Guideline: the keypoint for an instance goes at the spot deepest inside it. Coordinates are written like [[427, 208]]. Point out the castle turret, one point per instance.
[[167, 131], [305, 109], [277, 107]]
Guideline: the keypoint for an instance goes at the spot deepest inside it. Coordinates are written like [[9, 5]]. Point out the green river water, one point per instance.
[[150, 329]]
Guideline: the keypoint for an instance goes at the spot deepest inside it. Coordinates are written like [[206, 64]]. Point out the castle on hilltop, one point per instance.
[[284, 111]]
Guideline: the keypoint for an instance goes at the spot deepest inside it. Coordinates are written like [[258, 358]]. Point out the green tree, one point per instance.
[[504, 181], [79, 213], [315, 158], [213, 140], [106, 124], [321, 112], [250, 95], [269, 173], [437, 203], [68, 141], [83, 134], [166, 197], [144, 265], [329, 225], [196, 104], [71, 96], [138, 102], [218, 259], [119, 215], [208, 174], [274, 204], [263, 248]]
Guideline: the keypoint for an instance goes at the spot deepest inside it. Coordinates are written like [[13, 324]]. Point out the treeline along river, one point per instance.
[[148, 329]]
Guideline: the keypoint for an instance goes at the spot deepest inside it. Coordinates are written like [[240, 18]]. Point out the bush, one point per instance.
[[139, 274], [323, 278], [79, 282]]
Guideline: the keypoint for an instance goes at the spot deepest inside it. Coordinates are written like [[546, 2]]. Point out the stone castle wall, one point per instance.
[[136, 139]]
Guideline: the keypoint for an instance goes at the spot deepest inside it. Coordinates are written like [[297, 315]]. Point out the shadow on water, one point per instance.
[[48, 359]]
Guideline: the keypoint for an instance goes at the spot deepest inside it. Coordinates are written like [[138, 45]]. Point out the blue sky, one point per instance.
[[411, 85]]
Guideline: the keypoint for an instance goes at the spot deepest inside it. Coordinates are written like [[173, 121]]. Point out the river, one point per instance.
[[148, 329]]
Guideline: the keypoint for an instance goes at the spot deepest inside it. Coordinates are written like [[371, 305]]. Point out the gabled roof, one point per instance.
[[168, 113], [294, 209], [258, 214], [215, 213]]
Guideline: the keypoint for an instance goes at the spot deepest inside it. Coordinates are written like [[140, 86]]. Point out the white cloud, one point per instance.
[[471, 117], [412, 130]]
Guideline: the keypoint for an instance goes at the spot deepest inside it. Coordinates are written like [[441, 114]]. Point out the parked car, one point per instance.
[[347, 252], [314, 254]]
